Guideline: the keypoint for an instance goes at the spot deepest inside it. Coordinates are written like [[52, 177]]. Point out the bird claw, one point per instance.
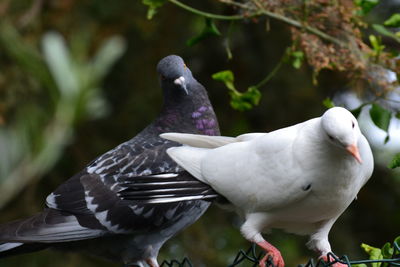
[[337, 264], [273, 255], [273, 258]]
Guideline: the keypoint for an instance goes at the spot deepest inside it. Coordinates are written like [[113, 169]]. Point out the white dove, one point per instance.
[[299, 179]]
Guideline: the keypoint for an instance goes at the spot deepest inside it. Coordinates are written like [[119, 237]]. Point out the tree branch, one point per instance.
[[297, 24], [210, 15], [273, 72], [261, 11]]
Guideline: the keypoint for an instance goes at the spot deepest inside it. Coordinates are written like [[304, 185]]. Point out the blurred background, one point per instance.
[[78, 78]]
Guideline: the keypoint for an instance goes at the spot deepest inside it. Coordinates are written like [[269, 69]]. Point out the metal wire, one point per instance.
[[250, 258], [174, 263]]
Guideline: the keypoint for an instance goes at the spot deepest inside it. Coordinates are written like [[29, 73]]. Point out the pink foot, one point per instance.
[[338, 264], [152, 262], [272, 251]]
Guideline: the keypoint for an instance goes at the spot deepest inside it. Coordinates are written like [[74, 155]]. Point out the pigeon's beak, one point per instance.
[[353, 150], [182, 83]]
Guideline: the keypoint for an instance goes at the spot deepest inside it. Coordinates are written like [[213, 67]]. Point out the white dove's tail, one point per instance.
[[189, 158]]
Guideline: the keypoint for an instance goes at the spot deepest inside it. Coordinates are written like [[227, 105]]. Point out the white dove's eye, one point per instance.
[[352, 124]]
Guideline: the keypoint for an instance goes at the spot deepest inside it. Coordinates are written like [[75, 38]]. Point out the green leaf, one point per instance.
[[60, 63], [397, 115], [393, 21], [238, 104], [376, 43], [387, 251], [328, 103], [366, 5], [252, 96], [109, 52], [225, 76], [210, 29], [298, 58], [374, 254], [385, 32], [392, 165], [239, 101], [397, 240], [387, 138], [153, 6], [245, 101], [380, 116]]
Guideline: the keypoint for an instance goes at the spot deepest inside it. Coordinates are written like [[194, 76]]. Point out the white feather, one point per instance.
[[249, 136], [189, 158], [8, 246], [68, 230], [196, 140]]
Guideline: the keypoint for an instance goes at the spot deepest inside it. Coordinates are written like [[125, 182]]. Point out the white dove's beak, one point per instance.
[[353, 150], [181, 82]]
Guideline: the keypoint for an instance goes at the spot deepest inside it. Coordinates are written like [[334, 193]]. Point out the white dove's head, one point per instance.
[[341, 129]]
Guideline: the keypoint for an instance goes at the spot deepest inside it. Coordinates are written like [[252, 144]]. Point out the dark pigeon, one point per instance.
[[126, 203]]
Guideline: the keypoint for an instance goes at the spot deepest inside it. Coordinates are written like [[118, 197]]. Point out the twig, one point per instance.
[[261, 10], [210, 15], [4, 7], [234, 3], [273, 72], [297, 24], [31, 13]]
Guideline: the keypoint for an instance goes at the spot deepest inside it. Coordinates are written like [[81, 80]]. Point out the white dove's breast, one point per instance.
[[329, 195]]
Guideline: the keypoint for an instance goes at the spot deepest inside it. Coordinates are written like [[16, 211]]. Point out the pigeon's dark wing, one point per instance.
[[121, 192], [165, 188], [47, 227], [134, 188]]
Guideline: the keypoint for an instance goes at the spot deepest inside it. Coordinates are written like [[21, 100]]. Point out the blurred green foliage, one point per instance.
[[380, 116], [388, 251], [395, 162], [153, 6], [366, 5], [63, 101], [239, 101], [209, 30], [393, 21], [73, 84]]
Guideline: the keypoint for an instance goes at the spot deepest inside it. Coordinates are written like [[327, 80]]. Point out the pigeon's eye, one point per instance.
[[331, 137], [352, 124], [184, 65]]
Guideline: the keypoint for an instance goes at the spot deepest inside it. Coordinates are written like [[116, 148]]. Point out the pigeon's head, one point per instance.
[[174, 74], [341, 129]]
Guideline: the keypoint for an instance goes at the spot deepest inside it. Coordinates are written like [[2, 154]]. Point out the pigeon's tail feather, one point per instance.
[[189, 158], [49, 226], [196, 140], [12, 249]]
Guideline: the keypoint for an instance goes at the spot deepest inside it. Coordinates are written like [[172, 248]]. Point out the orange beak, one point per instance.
[[353, 150]]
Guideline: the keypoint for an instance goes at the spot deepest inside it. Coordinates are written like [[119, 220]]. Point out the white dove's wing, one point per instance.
[[368, 160], [249, 136], [257, 173], [189, 158], [260, 174], [197, 140]]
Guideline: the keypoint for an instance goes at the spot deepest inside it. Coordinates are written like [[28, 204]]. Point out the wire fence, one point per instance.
[[251, 258]]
